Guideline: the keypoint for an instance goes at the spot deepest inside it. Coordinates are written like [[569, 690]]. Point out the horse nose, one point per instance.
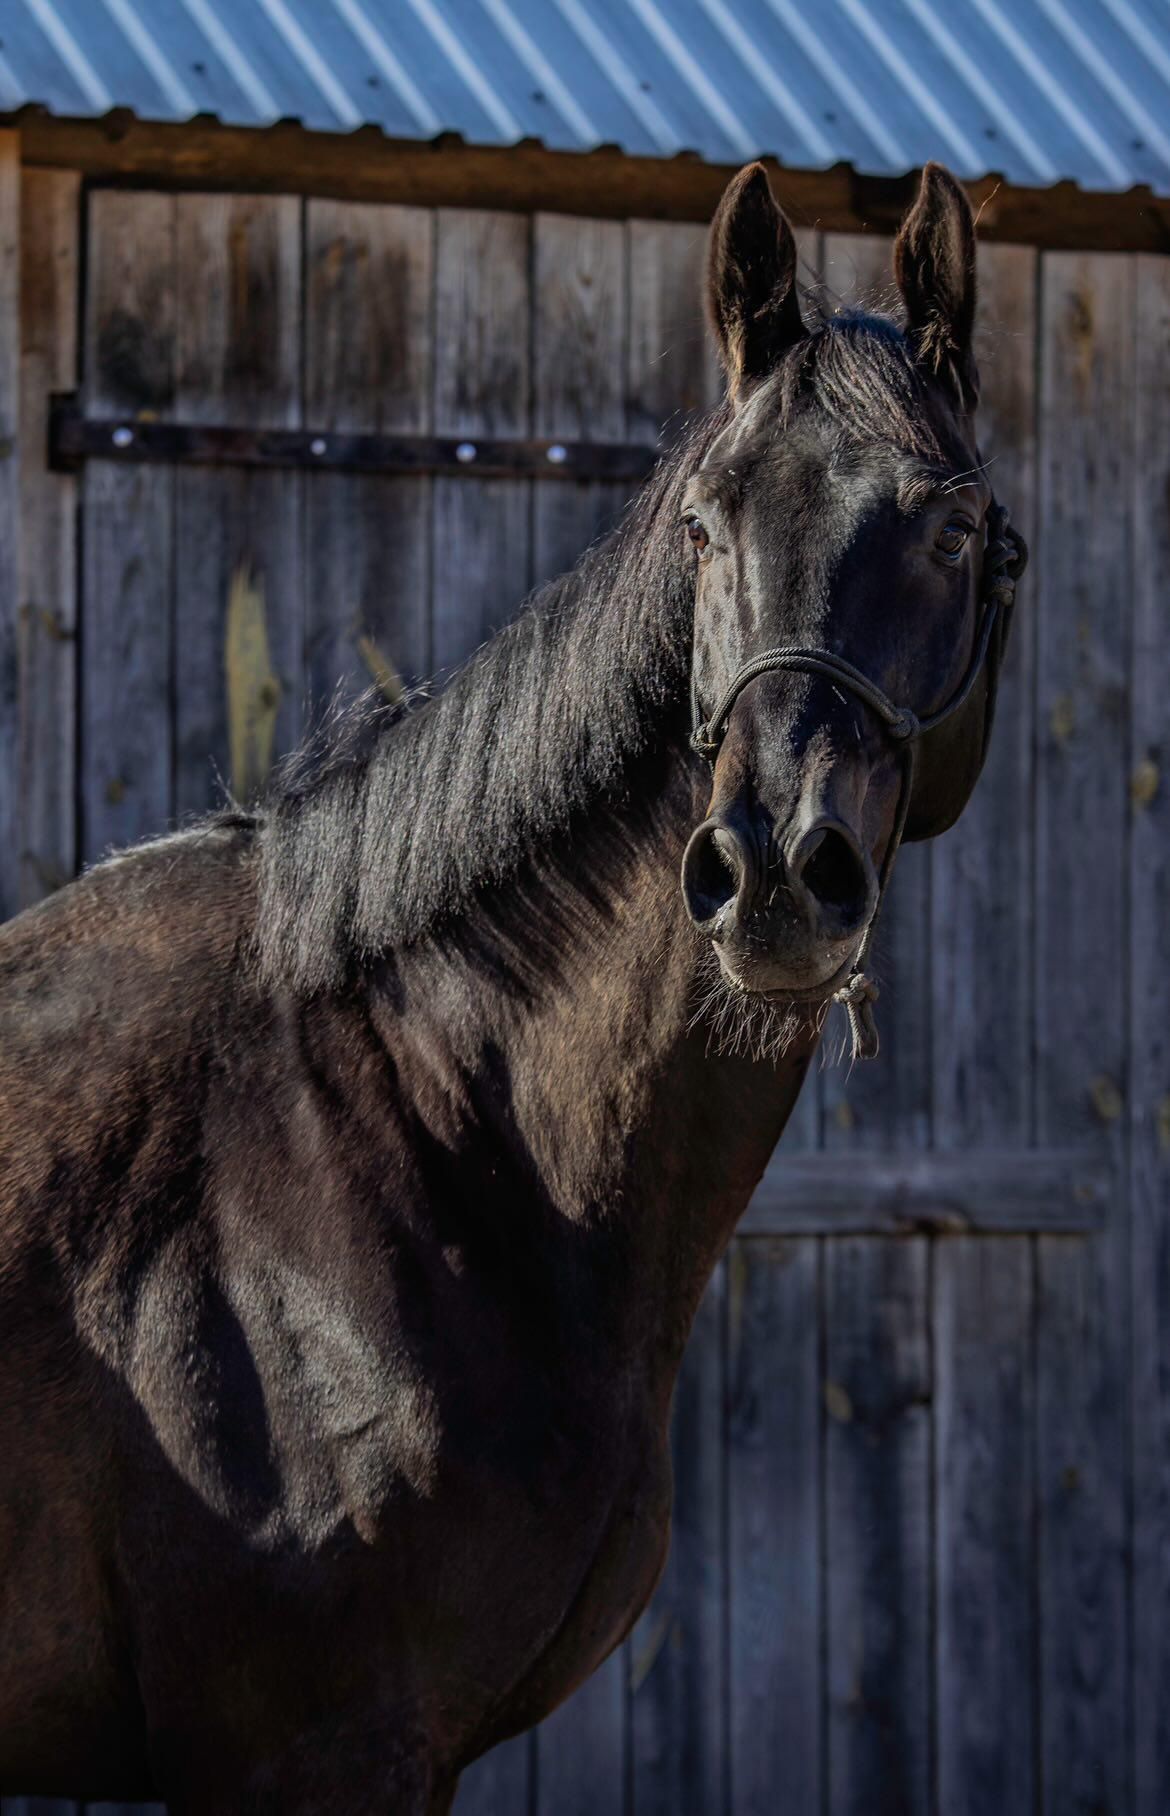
[[835, 877], [716, 870]]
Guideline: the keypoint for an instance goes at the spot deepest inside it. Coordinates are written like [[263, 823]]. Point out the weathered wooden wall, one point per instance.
[[922, 1541]]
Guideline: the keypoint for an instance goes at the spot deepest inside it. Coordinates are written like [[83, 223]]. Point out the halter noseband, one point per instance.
[[1005, 557]]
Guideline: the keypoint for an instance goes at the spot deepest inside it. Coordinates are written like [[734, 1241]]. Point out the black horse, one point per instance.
[[363, 1159]]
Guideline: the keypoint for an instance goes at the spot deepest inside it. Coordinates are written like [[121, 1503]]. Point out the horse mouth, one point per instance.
[[785, 993]]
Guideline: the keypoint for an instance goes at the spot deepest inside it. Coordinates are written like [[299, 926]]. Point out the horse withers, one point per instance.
[[363, 1158]]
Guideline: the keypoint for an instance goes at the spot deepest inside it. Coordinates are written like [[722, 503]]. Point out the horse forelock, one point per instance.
[[862, 374]]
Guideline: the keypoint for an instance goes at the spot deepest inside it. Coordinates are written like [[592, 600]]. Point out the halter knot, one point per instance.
[[857, 996], [904, 725]]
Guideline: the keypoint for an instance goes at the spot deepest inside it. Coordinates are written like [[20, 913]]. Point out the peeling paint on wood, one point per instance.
[[253, 690]]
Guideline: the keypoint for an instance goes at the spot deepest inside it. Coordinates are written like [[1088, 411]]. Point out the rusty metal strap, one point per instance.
[[75, 438]]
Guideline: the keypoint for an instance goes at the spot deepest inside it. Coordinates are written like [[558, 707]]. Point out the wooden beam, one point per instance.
[[528, 177], [75, 438], [930, 1190]]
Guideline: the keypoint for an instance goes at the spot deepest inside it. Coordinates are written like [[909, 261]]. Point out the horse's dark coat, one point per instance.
[[362, 1162]]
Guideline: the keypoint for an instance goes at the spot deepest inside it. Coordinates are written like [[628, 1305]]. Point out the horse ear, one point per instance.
[[751, 280], [934, 262]]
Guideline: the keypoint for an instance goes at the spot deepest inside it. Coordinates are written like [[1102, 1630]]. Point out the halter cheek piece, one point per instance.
[[1005, 557]]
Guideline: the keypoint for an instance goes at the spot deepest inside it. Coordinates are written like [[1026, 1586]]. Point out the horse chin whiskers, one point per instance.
[[745, 1024], [740, 1023]]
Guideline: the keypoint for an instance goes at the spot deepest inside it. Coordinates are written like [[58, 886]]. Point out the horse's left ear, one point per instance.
[[751, 281], [934, 262]]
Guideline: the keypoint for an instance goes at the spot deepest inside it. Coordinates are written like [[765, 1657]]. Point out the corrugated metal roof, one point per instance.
[[1037, 90]]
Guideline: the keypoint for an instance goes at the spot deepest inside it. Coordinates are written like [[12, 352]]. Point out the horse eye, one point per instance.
[[697, 533], [952, 539]]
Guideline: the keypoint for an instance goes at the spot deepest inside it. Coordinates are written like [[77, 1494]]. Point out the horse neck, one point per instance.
[[512, 853], [581, 1009]]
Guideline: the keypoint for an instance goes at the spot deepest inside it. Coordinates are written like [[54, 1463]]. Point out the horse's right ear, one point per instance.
[[751, 281]]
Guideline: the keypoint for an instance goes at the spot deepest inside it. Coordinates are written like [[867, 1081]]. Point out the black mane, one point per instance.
[[390, 824], [395, 822]]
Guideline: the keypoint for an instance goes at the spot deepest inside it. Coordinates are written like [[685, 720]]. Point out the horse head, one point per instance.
[[853, 587]]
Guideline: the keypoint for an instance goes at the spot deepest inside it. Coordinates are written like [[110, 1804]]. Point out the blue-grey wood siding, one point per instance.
[[923, 1431]]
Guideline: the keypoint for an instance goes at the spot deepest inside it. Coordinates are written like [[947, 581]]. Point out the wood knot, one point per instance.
[[1107, 1100], [1062, 718], [838, 1405], [1143, 783]]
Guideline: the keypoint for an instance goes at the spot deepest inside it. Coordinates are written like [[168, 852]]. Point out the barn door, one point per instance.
[[919, 1559]]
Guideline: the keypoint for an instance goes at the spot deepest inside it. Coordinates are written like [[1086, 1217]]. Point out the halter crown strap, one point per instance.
[[1005, 557]]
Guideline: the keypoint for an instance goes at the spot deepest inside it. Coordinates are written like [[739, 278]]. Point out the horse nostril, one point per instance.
[[833, 873], [711, 872]]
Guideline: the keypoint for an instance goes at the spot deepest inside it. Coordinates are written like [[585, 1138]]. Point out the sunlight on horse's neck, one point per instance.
[[637, 1124]]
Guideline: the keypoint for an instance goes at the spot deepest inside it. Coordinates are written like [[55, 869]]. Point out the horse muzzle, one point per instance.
[[786, 919]]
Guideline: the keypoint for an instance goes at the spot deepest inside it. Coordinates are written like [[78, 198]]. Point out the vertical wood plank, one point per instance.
[[579, 363], [482, 327], [10, 817], [1084, 635], [369, 348], [50, 226], [128, 527], [981, 881], [674, 371], [1149, 962], [238, 262], [877, 1526], [985, 1488], [774, 1525], [985, 1647], [677, 1677]]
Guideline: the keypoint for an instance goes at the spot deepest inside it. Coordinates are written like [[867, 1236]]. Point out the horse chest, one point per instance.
[[600, 1558]]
